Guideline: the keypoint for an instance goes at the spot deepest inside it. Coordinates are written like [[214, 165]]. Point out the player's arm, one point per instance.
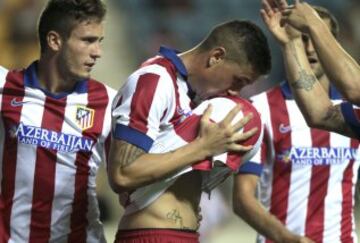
[[247, 206], [339, 66], [131, 167], [311, 98]]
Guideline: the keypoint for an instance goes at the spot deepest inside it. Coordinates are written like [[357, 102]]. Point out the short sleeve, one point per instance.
[[140, 105]]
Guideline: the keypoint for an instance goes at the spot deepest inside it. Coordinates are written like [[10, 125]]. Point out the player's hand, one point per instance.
[[300, 16], [224, 136], [274, 21]]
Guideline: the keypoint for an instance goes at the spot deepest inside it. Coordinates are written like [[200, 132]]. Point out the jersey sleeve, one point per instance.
[[140, 105], [351, 115]]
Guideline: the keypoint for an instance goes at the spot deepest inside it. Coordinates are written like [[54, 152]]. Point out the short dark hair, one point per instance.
[[244, 42], [62, 16], [325, 14]]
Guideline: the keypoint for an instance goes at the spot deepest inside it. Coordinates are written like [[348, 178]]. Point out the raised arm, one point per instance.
[[311, 98], [339, 66]]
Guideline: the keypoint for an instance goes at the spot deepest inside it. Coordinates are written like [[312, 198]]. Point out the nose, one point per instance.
[[309, 47], [96, 51]]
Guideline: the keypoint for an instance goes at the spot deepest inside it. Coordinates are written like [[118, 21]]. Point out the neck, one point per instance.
[[51, 78], [191, 59]]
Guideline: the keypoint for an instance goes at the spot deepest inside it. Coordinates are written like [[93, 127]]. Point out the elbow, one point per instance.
[[239, 207], [120, 183], [314, 122]]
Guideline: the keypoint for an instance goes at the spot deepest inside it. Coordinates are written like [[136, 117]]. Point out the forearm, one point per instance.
[[148, 168], [311, 98], [251, 211], [339, 66]]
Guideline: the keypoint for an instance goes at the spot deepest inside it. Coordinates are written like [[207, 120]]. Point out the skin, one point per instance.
[[245, 202], [69, 60], [210, 73], [310, 96], [339, 66]]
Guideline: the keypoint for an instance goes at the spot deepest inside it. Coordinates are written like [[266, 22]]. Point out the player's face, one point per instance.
[[81, 50], [224, 77], [311, 54]]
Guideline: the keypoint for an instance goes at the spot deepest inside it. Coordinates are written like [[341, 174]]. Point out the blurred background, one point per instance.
[[134, 31]]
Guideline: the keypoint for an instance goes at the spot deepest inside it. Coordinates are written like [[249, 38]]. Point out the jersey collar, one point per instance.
[[31, 80], [171, 54]]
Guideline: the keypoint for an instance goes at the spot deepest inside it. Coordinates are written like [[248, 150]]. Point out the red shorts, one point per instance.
[[156, 236]]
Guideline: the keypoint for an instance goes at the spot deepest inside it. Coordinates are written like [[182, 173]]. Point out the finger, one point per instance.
[[282, 4], [286, 12], [207, 113], [239, 148], [266, 6], [265, 17], [230, 116], [297, 2], [243, 121], [238, 137]]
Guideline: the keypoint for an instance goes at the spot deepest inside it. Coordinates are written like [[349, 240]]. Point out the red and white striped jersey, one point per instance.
[[50, 149], [309, 175], [153, 111]]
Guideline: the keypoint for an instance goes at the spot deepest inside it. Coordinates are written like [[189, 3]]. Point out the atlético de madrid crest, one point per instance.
[[84, 117]]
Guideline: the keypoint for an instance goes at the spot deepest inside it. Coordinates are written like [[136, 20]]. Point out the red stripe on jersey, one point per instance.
[[44, 178], [281, 176], [13, 89], [348, 200], [314, 226], [98, 100], [142, 101]]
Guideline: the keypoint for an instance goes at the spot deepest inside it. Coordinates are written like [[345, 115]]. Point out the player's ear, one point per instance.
[[217, 55], [54, 40]]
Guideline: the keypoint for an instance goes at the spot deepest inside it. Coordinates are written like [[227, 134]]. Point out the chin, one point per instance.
[[82, 76]]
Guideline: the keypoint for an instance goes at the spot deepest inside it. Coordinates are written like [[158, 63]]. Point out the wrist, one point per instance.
[[291, 42]]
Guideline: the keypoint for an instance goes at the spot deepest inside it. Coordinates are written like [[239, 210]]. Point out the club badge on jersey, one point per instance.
[[84, 117]]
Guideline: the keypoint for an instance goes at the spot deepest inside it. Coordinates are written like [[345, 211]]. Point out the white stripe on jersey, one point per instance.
[[23, 194], [300, 175]]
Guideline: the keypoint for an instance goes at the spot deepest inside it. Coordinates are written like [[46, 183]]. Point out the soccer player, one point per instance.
[[149, 118], [55, 121], [308, 175], [313, 101]]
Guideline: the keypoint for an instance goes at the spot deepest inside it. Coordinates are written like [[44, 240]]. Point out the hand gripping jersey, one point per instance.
[[309, 175], [50, 150], [153, 111]]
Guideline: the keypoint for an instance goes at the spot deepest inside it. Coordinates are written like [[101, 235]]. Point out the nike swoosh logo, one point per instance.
[[15, 103], [284, 128]]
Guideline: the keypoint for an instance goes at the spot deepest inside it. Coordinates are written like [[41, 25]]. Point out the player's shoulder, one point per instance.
[[101, 87]]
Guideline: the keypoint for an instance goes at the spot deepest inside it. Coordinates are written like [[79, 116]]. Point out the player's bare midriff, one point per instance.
[[177, 208]]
